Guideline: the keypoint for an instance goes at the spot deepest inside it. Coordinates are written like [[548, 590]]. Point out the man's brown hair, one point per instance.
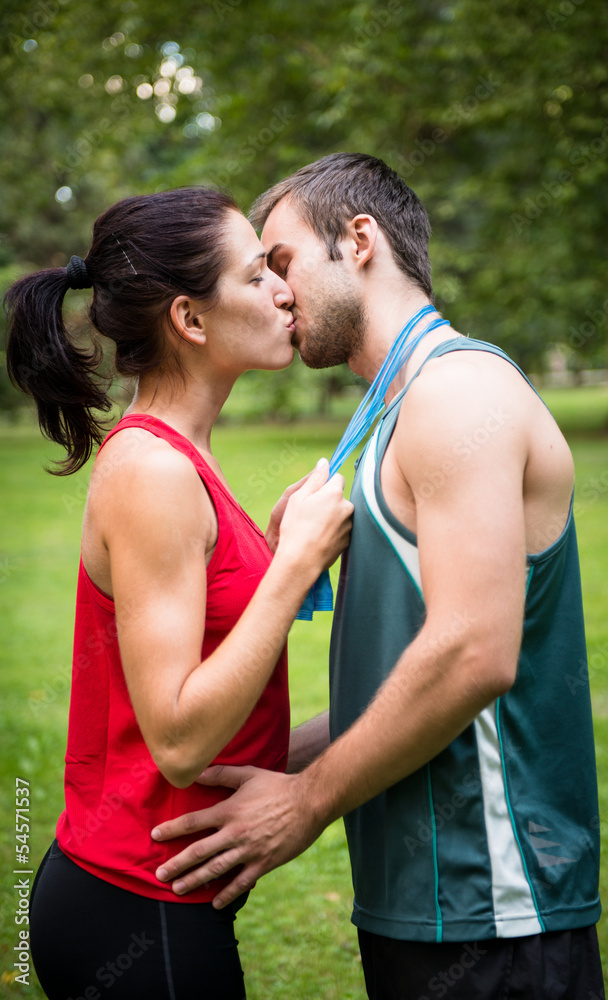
[[330, 192]]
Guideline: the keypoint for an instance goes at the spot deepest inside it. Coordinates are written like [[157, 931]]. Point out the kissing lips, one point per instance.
[[292, 330]]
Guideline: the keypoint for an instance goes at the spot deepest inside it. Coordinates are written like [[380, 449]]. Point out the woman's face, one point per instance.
[[251, 326]]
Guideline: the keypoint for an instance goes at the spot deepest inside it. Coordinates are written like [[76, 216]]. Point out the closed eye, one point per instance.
[[278, 269]]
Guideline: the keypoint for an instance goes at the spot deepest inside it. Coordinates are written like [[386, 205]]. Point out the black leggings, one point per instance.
[[92, 940]]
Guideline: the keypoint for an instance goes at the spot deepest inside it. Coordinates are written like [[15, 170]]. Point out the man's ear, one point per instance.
[[362, 232], [187, 319]]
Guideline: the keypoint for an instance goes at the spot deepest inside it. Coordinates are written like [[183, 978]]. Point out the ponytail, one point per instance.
[[43, 362], [145, 250]]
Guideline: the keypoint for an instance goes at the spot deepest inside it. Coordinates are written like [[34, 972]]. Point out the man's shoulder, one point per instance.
[[462, 354], [462, 380], [460, 395]]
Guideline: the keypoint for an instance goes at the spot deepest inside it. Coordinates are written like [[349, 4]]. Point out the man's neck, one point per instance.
[[387, 316]]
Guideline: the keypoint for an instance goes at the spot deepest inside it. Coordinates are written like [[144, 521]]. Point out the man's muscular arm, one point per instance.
[[471, 540]]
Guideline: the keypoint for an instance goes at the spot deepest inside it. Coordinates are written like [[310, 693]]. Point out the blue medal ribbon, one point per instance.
[[320, 596]]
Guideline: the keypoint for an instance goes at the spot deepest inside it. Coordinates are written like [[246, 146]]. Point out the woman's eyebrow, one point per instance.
[[258, 256]]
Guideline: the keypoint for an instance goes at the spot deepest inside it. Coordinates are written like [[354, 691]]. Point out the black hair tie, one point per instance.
[[77, 273]]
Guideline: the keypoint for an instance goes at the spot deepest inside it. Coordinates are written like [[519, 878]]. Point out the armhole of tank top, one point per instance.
[[447, 347], [385, 510], [96, 593], [459, 344], [220, 544], [534, 558], [151, 425]]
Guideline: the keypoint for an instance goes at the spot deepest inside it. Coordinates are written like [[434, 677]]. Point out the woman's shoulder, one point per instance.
[[144, 496], [139, 476], [135, 455]]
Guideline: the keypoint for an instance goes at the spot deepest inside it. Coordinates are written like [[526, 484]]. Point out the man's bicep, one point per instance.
[[471, 540]]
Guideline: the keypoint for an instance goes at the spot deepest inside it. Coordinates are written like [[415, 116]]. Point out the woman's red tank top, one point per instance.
[[114, 792]]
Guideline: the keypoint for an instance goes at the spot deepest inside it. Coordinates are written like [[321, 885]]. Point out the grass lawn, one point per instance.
[[296, 937]]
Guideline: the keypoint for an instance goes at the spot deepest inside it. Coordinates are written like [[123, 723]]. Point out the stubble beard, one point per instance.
[[336, 328]]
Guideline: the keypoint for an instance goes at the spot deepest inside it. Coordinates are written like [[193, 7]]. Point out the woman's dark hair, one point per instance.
[[146, 250], [330, 192]]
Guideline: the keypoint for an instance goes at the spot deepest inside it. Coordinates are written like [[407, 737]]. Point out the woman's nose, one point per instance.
[[283, 295]]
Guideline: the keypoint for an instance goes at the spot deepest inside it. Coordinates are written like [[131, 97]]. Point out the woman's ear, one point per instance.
[[187, 319], [362, 233]]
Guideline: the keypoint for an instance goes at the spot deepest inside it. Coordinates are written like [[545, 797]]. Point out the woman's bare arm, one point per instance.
[[158, 523]]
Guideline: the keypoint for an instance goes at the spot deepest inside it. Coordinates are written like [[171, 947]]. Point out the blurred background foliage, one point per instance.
[[495, 113]]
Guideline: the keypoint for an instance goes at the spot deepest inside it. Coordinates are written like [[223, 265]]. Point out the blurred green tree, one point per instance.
[[496, 114]]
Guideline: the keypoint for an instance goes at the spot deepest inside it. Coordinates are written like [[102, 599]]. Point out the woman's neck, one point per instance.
[[191, 406]]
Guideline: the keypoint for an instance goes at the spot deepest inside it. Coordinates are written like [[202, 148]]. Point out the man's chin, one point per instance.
[[318, 364], [318, 360]]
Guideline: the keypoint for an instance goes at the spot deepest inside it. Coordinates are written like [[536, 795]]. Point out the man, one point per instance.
[[460, 758]]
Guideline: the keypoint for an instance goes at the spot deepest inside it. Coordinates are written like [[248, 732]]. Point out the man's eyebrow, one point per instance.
[[272, 251]]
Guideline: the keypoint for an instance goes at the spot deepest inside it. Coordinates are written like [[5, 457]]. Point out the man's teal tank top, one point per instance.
[[497, 836]]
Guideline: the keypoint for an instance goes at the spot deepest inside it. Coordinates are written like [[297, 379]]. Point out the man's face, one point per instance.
[[328, 309]]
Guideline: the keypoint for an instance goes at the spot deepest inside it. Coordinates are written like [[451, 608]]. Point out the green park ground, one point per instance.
[[296, 937]]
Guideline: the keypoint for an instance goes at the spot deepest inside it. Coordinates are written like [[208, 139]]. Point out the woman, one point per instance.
[[171, 565]]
